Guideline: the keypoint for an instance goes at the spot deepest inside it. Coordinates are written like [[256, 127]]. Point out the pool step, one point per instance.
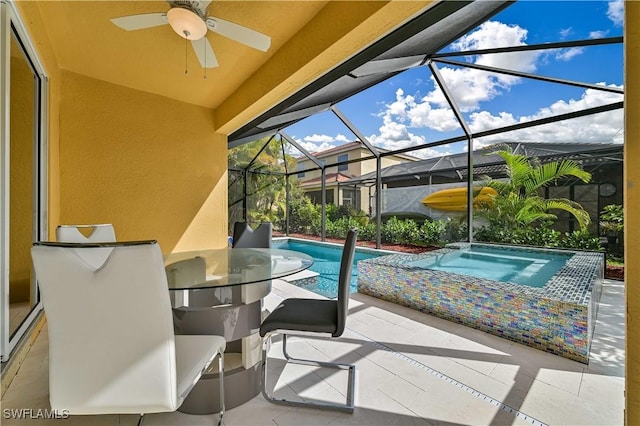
[[302, 278]]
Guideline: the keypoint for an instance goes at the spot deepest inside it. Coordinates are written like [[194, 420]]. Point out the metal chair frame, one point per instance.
[[266, 346]]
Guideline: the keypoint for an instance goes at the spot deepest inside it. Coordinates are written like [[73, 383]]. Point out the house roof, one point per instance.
[[350, 146], [330, 178], [485, 163], [408, 46]]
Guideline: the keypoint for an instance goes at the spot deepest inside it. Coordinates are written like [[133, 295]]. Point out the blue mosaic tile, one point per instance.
[[557, 318]]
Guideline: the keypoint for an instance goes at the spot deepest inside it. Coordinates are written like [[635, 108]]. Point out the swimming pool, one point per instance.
[[557, 316], [326, 262], [531, 268]]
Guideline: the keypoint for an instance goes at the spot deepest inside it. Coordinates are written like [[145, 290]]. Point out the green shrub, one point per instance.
[[612, 219], [455, 231], [390, 230], [367, 232], [542, 236], [580, 240], [432, 232], [303, 214]]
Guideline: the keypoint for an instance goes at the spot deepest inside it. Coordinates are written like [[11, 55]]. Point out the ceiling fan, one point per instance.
[[189, 20]]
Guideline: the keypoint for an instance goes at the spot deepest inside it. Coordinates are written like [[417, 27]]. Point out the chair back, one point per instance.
[[103, 233], [344, 280], [246, 237], [111, 337]]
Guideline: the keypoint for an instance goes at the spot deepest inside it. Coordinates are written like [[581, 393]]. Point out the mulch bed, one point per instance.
[[612, 272]]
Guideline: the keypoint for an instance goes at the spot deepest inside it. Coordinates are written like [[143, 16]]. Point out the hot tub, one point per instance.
[[543, 298]]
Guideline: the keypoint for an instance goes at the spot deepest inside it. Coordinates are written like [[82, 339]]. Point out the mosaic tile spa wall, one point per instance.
[[557, 318]]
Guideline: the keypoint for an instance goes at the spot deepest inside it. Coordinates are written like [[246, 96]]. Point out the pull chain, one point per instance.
[[186, 50], [204, 48]]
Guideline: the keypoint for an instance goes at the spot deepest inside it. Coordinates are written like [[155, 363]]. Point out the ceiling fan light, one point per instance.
[[186, 23]]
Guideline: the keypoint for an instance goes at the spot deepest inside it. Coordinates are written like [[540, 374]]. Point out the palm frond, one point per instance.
[[571, 207], [548, 173]]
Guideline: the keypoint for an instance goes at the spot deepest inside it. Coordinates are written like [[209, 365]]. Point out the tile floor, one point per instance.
[[412, 369]]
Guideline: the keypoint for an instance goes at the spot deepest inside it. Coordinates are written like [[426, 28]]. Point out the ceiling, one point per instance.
[[86, 42]]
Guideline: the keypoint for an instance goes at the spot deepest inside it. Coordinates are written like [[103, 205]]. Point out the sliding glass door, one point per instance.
[[23, 184]]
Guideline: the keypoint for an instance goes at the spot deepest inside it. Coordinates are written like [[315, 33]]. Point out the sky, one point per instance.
[[409, 109]]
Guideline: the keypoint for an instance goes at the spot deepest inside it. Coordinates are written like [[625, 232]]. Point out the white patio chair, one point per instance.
[[112, 347]]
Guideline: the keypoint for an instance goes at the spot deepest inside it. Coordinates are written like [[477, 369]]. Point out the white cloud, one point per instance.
[[603, 127], [441, 119], [565, 32], [598, 34], [394, 134], [615, 12], [318, 138], [317, 143], [493, 34], [568, 54], [312, 146], [342, 138], [469, 86]]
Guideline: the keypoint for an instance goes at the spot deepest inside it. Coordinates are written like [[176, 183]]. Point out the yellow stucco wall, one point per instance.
[[152, 166], [631, 203]]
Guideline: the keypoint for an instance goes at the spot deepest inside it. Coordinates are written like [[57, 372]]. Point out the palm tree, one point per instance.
[[518, 203]]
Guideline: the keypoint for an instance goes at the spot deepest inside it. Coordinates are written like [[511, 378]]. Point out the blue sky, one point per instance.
[[409, 110]]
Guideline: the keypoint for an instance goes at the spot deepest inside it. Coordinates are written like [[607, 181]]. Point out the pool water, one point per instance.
[[326, 262], [522, 267]]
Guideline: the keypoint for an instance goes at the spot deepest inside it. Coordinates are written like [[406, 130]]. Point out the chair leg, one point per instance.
[[221, 381], [141, 419], [348, 407]]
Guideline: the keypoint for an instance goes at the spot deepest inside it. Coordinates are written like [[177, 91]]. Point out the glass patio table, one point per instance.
[[207, 269], [220, 292]]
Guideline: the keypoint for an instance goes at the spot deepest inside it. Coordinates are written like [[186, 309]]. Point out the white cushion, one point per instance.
[[193, 355]]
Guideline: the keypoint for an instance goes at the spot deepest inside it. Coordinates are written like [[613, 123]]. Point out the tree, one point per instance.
[[518, 203], [266, 196]]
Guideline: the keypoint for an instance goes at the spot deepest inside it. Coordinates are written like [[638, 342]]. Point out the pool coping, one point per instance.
[[379, 252]]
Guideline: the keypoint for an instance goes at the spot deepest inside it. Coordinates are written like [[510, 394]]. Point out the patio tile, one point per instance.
[[555, 406], [378, 409], [395, 350], [172, 419], [444, 403], [607, 356], [402, 391], [530, 361], [513, 377], [417, 376], [256, 412], [489, 386], [594, 386], [306, 416]]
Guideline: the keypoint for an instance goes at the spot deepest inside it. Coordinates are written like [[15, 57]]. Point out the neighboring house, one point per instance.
[[336, 192], [405, 185]]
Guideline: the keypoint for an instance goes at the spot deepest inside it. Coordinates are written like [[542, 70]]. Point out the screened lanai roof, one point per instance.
[[406, 47], [486, 163]]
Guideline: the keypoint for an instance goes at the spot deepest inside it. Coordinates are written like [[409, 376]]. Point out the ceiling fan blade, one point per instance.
[[204, 52], [138, 22], [239, 33]]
